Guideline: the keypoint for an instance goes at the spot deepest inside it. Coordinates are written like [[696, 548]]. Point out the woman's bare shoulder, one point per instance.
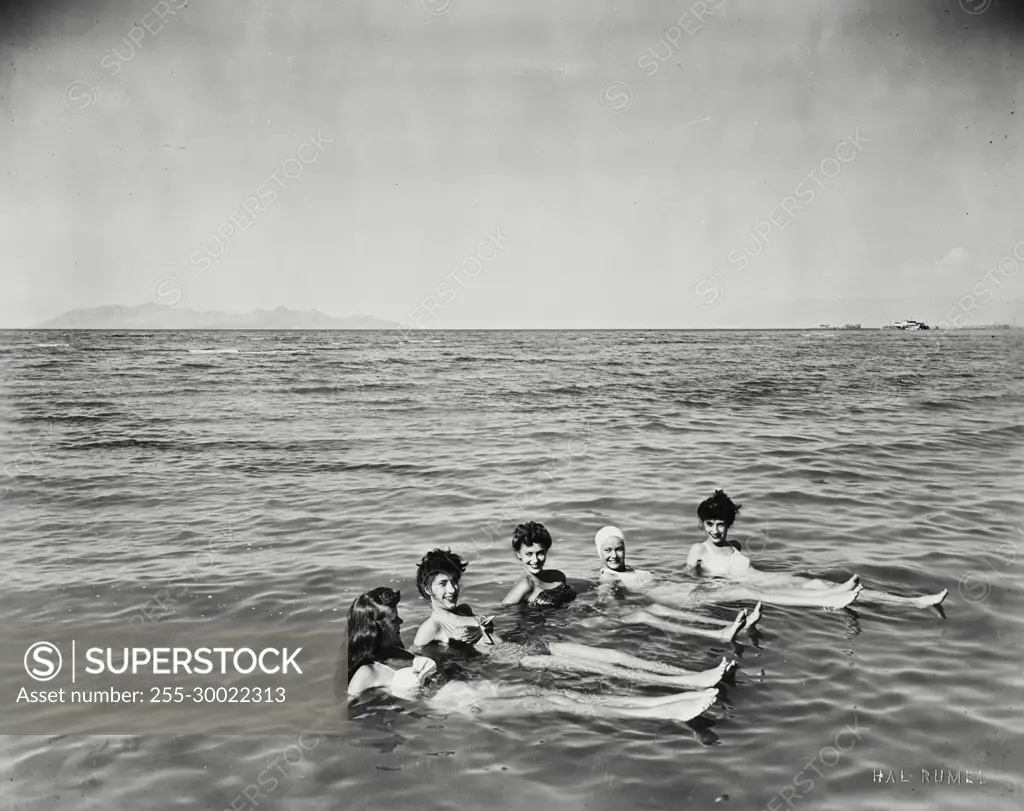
[[368, 677], [523, 586], [429, 631]]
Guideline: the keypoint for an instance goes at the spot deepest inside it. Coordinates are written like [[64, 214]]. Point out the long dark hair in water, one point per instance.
[[368, 624]]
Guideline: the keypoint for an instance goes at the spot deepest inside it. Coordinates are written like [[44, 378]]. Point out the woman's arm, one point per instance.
[[694, 556], [426, 633], [518, 593]]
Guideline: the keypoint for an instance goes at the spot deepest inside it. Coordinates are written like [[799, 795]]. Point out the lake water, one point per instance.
[[318, 465]]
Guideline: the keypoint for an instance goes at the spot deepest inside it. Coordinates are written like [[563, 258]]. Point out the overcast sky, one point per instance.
[[585, 164]]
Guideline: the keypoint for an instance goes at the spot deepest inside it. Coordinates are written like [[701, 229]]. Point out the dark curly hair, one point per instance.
[[435, 562], [367, 626], [530, 534], [719, 507]]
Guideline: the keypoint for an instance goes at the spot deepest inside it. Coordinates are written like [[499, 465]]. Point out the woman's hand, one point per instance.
[[466, 634], [408, 681], [423, 667], [463, 629], [487, 626]]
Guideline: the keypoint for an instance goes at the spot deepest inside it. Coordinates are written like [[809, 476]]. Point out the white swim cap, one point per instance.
[[607, 533]]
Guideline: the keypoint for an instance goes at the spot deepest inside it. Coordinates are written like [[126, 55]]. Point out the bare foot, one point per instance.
[[840, 599], [753, 618], [689, 705], [709, 678], [926, 600], [729, 634], [852, 583]]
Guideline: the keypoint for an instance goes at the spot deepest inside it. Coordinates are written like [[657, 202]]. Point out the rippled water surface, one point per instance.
[[318, 465]]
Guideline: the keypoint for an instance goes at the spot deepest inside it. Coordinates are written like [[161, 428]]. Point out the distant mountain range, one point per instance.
[[151, 316]]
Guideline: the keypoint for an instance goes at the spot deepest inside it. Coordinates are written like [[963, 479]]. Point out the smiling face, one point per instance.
[[613, 554], [444, 592], [532, 557], [717, 531]]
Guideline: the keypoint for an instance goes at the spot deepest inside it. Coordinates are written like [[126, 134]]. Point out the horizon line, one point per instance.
[[498, 329]]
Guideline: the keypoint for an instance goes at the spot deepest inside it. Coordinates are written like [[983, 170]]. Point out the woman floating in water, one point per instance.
[[611, 548], [720, 557], [438, 579], [374, 636], [531, 542]]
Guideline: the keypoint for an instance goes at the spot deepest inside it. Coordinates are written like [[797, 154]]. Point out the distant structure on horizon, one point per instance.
[[909, 325], [844, 326]]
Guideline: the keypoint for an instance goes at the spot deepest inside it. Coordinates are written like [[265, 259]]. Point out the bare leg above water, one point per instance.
[[823, 598], [921, 601], [672, 613], [725, 591], [725, 634], [818, 583], [479, 699], [566, 656], [686, 616], [839, 599], [873, 595], [611, 656]]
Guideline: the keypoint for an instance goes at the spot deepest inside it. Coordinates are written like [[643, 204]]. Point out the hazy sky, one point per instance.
[[624, 170]]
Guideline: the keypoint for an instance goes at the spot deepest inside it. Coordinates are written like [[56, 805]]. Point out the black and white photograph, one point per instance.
[[471, 405]]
